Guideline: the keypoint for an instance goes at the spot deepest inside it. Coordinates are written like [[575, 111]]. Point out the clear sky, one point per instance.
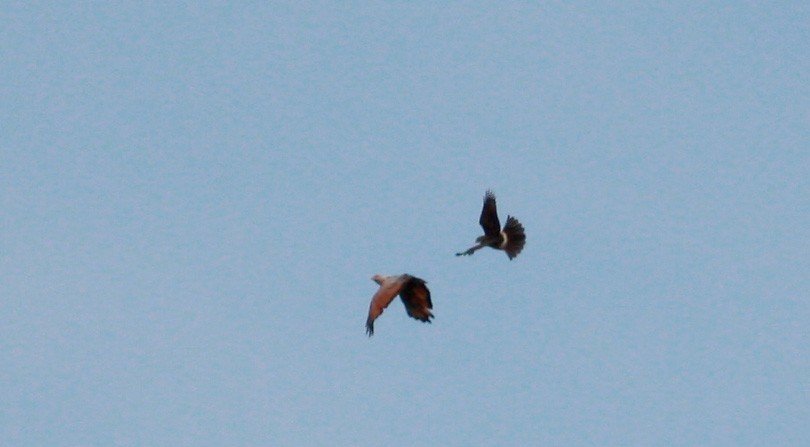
[[196, 195]]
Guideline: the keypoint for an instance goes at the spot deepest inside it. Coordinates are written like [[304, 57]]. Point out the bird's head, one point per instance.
[[378, 278]]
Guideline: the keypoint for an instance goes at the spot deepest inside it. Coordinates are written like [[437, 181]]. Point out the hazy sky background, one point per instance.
[[196, 195]]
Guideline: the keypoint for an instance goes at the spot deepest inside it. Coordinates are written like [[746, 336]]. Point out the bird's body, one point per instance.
[[413, 292], [510, 239]]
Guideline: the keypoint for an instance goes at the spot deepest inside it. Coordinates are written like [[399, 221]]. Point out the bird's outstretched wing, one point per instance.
[[489, 216], [416, 297], [388, 290]]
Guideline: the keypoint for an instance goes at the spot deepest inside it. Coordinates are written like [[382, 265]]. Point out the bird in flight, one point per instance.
[[511, 239], [413, 291]]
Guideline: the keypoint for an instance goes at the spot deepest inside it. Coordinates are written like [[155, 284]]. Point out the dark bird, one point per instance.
[[511, 239], [413, 291]]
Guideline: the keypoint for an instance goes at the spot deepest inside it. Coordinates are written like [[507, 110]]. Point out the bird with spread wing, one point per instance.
[[510, 239], [413, 291]]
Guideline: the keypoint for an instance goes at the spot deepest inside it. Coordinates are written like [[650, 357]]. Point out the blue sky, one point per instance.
[[195, 197]]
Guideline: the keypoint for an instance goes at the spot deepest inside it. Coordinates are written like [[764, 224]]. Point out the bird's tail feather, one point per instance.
[[515, 237]]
